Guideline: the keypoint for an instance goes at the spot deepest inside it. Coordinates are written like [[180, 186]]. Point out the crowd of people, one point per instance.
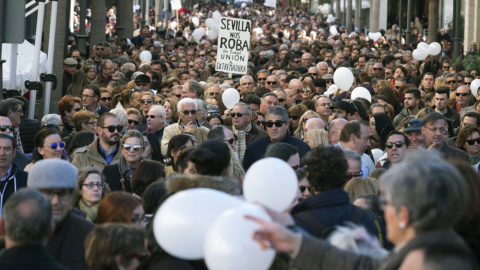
[[143, 118]]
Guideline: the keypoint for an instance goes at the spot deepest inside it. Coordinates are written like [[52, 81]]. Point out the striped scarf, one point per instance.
[[241, 140]]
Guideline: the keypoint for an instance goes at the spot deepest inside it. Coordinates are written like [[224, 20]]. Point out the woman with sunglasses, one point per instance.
[[105, 98], [119, 176], [89, 191], [468, 140], [48, 144]]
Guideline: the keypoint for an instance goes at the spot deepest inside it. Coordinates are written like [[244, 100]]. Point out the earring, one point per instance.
[[401, 225]]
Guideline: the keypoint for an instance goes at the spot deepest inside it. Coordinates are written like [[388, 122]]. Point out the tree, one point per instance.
[[432, 20]]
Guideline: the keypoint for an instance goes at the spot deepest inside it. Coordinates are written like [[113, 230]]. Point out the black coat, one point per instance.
[[113, 178], [256, 149], [33, 257], [28, 129], [67, 242], [15, 181]]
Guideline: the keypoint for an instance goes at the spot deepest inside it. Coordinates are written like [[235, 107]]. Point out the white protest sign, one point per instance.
[[270, 3], [176, 4], [233, 45]]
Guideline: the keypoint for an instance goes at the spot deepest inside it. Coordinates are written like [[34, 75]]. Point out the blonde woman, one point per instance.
[[316, 137], [299, 132]]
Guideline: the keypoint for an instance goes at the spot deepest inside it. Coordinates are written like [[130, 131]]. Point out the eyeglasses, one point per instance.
[[473, 141], [153, 116], [136, 147], [434, 130], [261, 79], [293, 117], [146, 100], [55, 145], [270, 82], [131, 121], [306, 90], [281, 100], [189, 112], [302, 188], [4, 128], [105, 98], [259, 123], [237, 114], [353, 175], [62, 194], [277, 123], [87, 96], [451, 82], [398, 144], [112, 128], [248, 83], [462, 94], [326, 104], [230, 141], [92, 185]]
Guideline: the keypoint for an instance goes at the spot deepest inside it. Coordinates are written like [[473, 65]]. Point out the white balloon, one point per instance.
[[377, 154], [212, 34], [330, 15], [230, 97], [434, 48], [422, 45], [198, 33], [174, 24], [331, 90], [210, 23], [181, 223], [361, 92], [343, 78], [195, 21], [243, 5], [333, 30], [270, 182], [145, 56], [229, 243], [217, 17], [474, 86], [419, 54]]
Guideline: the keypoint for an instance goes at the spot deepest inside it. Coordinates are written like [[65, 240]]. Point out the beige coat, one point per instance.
[[88, 156]]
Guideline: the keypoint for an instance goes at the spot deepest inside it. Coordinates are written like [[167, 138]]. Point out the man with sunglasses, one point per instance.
[[56, 179], [434, 128], [97, 57], [187, 114], [156, 120], [463, 98], [104, 150], [277, 124], [243, 128], [397, 146], [90, 97], [262, 77], [451, 81], [272, 82], [143, 81]]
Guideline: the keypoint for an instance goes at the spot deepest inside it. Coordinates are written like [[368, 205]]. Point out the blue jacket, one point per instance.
[[15, 181], [331, 208], [257, 148]]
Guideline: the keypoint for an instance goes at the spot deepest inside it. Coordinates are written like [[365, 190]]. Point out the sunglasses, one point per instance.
[[446, 67], [474, 74], [377, 68], [189, 112], [259, 123], [178, 96], [271, 83], [277, 123], [99, 49], [105, 98], [472, 141], [4, 128], [353, 175], [462, 94], [261, 79], [153, 116], [328, 81], [297, 62], [55, 145], [451, 82], [112, 128], [398, 144], [136, 147], [312, 74], [302, 188], [306, 90], [146, 100], [293, 117], [130, 121], [230, 141], [281, 100], [237, 114]]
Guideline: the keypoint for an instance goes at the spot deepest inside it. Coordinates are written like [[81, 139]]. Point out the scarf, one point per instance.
[[241, 140], [475, 158], [126, 171], [91, 211]]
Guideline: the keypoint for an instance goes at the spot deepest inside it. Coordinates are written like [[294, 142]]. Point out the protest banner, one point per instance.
[[233, 45], [270, 3]]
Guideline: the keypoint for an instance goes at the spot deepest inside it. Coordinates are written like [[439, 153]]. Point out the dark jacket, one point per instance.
[[165, 262], [450, 153], [15, 181], [102, 110], [33, 257], [255, 134], [331, 208], [67, 242], [28, 129], [67, 80], [114, 179], [452, 116], [100, 81], [256, 149], [318, 254], [21, 160]]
